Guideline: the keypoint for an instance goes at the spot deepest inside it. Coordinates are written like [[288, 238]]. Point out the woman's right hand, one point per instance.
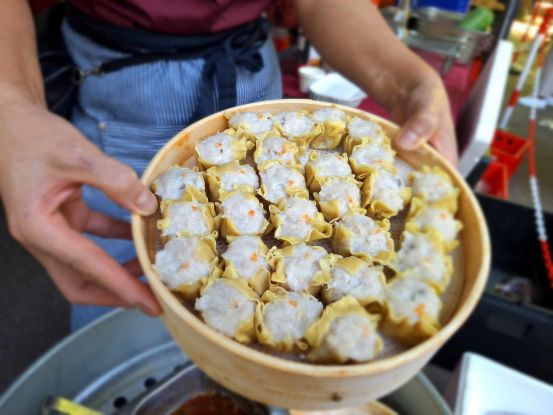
[[44, 161]]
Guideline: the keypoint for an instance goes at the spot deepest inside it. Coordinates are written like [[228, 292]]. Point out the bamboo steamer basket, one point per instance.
[[291, 384]]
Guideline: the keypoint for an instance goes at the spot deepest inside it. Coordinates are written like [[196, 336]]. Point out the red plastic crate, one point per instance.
[[495, 180], [509, 149]]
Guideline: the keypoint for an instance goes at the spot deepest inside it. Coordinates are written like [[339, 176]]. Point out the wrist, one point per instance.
[[16, 94]]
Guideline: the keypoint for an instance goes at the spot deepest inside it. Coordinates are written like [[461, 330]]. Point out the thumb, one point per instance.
[[418, 129], [117, 180]]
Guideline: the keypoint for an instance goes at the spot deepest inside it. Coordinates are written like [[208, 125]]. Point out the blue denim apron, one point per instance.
[[131, 113]]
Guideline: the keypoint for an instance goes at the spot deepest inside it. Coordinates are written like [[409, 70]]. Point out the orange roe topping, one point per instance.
[[253, 257], [251, 212], [293, 303], [419, 310], [185, 265], [194, 208], [290, 182]]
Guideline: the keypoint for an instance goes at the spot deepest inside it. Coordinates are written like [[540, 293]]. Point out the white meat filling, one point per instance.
[[372, 154], [225, 308], [365, 283], [420, 258], [344, 192], [216, 149], [353, 336], [439, 220], [294, 123], [330, 164], [176, 264], [290, 318], [431, 186], [240, 175], [328, 114], [410, 298], [244, 252], [358, 128], [245, 212], [277, 178], [172, 184], [256, 124], [368, 238], [275, 148], [297, 218], [186, 217], [388, 188], [302, 265]]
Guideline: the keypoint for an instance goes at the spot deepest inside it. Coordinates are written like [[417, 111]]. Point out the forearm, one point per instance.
[[20, 77], [353, 38]]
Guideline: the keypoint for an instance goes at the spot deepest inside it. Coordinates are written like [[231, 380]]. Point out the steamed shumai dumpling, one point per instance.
[[426, 219], [369, 156], [220, 149], [299, 268], [422, 256], [241, 214], [353, 276], [345, 333], [297, 219], [338, 196], [361, 236], [297, 126], [360, 131], [279, 181], [384, 193], [325, 164], [333, 122], [434, 187], [231, 176], [412, 310], [246, 257], [251, 124], [283, 317], [278, 149], [185, 218], [180, 183], [228, 306], [185, 263]]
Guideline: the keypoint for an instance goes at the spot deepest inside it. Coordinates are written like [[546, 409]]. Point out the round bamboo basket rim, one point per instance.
[[312, 369]]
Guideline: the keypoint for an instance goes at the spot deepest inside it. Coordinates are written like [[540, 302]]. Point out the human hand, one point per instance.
[[425, 116], [44, 161]]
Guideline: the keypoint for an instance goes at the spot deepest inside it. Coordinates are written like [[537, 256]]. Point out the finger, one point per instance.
[[105, 226], [133, 267], [418, 129], [117, 180], [75, 287], [445, 142], [56, 239]]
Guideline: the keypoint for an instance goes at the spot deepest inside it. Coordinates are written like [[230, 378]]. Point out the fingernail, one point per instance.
[[147, 310], [409, 140], [146, 202]]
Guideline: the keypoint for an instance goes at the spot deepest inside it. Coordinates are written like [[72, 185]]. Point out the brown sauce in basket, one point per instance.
[[210, 403]]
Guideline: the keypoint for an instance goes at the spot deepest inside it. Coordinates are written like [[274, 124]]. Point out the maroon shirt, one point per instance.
[[181, 17]]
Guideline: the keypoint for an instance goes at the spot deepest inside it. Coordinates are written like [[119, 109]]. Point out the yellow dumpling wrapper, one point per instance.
[[379, 207], [190, 193], [331, 208], [330, 137], [291, 190], [318, 331], [244, 128], [352, 265], [264, 335], [449, 201], [302, 140], [277, 263], [405, 331], [341, 234], [320, 229], [239, 149], [416, 209], [361, 171], [246, 331], [226, 224], [289, 147], [351, 142], [261, 279], [207, 211], [312, 175], [215, 174]]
